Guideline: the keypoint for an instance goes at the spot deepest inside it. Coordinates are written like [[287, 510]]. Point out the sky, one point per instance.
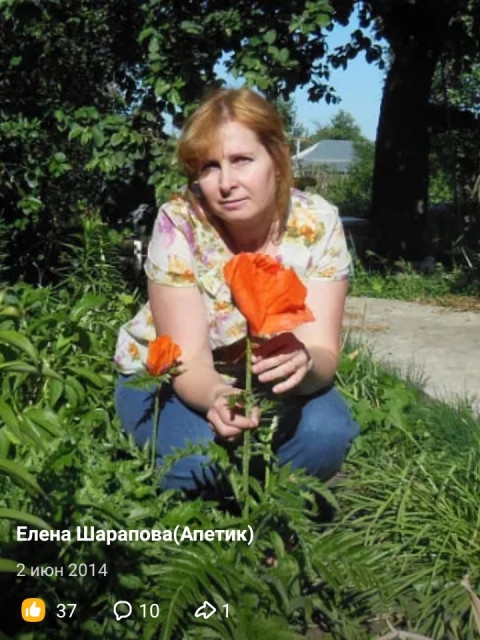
[[360, 90], [359, 87]]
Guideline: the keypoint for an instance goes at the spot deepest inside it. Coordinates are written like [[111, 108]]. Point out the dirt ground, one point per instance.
[[437, 345]]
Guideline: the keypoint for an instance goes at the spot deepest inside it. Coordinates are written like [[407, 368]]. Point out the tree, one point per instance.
[[87, 94], [456, 128], [296, 131], [352, 193], [418, 33], [341, 127], [59, 70]]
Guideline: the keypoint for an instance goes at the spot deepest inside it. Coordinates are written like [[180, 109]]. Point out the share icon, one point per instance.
[[205, 611]]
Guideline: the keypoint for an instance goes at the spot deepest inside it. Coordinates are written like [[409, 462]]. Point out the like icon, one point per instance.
[[33, 610]]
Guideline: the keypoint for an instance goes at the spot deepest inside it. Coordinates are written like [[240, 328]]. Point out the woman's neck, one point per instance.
[[253, 239]]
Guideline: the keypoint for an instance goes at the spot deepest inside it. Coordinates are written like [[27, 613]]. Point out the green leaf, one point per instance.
[[5, 444], [8, 416], [263, 82], [153, 45], [88, 302], [119, 158], [11, 312], [30, 429], [10, 566], [74, 390], [190, 27], [15, 339], [71, 395], [117, 139], [130, 581], [161, 87], [283, 55], [96, 415], [14, 437], [75, 132], [44, 418], [270, 36], [55, 390], [92, 377], [30, 204], [98, 137], [323, 19], [17, 366], [19, 474], [50, 373], [174, 97], [145, 33], [23, 516]]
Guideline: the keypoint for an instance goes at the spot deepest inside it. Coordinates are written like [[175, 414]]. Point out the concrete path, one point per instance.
[[437, 345]]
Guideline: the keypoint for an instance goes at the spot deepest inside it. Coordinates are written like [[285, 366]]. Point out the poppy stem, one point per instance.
[[248, 380], [247, 434], [156, 411]]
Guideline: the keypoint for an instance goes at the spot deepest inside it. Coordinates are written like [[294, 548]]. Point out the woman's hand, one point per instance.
[[284, 357], [227, 422]]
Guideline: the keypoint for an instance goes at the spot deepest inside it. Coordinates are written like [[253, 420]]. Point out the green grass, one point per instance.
[[403, 282], [388, 543]]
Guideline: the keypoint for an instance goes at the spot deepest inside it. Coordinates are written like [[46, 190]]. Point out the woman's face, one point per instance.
[[238, 180]]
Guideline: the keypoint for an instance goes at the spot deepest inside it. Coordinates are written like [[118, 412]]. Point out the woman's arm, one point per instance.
[[306, 359], [322, 338], [180, 313]]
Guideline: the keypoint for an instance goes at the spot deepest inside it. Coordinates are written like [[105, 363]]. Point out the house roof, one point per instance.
[[337, 154]]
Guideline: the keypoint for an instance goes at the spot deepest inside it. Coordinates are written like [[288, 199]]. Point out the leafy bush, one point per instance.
[[352, 193]]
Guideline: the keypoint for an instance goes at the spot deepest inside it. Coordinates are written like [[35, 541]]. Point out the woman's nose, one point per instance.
[[227, 178]]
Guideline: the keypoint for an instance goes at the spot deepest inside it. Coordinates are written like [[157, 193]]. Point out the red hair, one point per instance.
[[250, 109]]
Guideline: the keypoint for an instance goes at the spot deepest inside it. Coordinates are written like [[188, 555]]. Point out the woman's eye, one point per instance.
[[207, 167], [242, 160]]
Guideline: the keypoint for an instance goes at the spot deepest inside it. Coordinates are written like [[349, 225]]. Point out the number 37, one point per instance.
[[62, 610]]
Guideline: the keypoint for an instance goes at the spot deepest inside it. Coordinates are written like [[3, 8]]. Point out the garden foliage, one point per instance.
[[91, 97], [390, 541]]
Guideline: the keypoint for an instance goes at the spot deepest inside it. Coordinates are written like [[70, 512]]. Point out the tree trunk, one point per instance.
[[400, 183]]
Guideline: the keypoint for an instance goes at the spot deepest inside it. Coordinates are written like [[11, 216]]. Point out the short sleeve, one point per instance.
[[169, 256], [330, 258]]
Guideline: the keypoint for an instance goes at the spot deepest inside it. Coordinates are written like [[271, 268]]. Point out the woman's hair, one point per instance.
[[253, 111]]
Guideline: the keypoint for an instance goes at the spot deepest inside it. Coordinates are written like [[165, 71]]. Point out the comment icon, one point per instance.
[[122, 609]]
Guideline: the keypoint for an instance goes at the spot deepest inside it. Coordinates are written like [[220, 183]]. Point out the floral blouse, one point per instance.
[[187, 251]]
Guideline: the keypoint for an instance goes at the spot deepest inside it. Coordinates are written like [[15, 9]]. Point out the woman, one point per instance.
[[239, 198]]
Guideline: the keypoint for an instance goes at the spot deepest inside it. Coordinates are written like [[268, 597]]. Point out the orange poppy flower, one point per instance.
[[162, 354], [271, 297]]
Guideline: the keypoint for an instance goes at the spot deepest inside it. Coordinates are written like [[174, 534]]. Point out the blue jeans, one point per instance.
[[314, 435]]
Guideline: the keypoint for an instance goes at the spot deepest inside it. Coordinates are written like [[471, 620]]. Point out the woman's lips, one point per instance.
[[233, 204]]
